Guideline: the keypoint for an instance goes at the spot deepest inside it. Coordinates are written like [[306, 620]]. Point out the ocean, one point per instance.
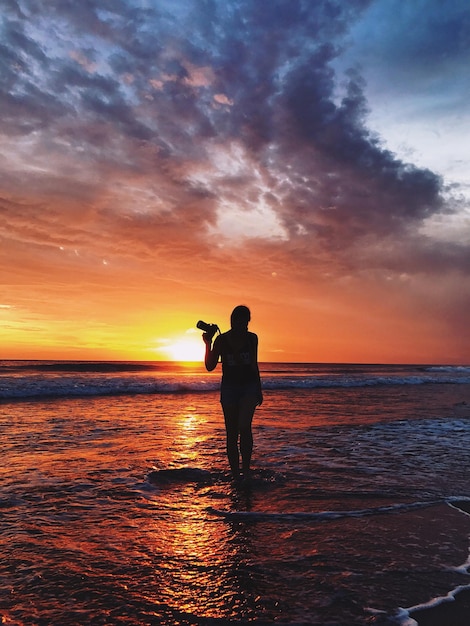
[[116, 504]]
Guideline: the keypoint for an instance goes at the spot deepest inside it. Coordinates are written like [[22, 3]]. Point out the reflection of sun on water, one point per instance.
[[182, 537]]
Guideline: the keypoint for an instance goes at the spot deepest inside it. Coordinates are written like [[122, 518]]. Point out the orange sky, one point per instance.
[[145, 186]]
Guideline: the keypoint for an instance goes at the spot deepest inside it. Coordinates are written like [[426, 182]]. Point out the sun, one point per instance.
[[185, 350]]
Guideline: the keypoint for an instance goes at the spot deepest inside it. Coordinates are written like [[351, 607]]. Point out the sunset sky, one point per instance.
[[162, 161]]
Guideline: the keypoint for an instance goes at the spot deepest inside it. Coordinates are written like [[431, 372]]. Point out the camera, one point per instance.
[[209, 329]]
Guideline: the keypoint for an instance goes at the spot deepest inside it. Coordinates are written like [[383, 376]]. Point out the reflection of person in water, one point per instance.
[[240, 391]]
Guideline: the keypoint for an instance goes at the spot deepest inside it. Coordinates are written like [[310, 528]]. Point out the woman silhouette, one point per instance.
[[240, 390]]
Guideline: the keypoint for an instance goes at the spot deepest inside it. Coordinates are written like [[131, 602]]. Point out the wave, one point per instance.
[[362, 381], [405, 617], [324, 516], [29, 389], [464, 369], [105, 382]]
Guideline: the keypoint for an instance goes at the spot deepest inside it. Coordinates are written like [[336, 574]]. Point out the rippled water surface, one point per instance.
[[120, 510]]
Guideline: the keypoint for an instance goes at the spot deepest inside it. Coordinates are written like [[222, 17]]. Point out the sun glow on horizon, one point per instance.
[[184, 350]]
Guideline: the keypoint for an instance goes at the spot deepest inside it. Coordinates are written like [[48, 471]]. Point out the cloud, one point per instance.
[[188, 129]]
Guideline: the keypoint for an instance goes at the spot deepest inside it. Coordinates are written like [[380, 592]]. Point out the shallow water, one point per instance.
[[346, 520]]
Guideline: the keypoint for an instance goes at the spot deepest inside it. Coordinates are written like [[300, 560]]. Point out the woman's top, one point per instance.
[[239, 366]]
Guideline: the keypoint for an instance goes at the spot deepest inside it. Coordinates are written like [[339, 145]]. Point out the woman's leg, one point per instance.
[[245, 418], [231, 413]]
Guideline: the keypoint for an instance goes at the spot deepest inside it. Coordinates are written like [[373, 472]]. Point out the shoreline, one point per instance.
[[451, 609]]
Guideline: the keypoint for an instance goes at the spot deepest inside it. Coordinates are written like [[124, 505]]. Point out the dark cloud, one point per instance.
[[25, 105], [151, 90]]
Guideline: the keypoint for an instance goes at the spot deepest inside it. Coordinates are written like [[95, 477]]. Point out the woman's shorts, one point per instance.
[[232, 394]]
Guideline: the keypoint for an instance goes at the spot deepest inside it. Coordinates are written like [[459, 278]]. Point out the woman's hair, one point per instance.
[[240, 313]]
